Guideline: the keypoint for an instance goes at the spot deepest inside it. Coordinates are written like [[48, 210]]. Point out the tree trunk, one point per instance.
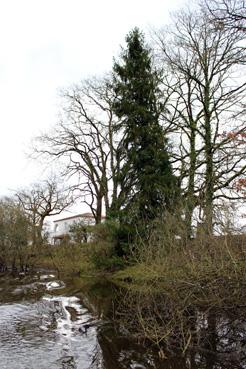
[[39, 229], [209, 174], [98, 217], [190, 202]]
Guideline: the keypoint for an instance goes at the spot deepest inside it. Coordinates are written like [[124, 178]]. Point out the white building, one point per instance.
[[62, 226]]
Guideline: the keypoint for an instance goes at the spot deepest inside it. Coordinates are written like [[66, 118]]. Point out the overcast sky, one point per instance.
[[49, 44]]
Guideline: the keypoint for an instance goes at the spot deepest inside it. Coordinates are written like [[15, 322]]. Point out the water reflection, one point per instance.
[[217, 335], [48, 324]]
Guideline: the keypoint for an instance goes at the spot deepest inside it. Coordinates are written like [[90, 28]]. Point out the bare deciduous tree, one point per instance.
[[86, 140], [207, 99], [40, 201], [228, 13]]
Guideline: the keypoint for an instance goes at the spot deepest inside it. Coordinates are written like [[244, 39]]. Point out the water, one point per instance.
[[46, 323], [42, 334]]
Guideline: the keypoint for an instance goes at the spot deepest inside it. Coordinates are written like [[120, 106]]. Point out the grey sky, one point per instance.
[[46, 45]]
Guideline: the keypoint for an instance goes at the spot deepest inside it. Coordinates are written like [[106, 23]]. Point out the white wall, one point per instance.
[[63, 226]]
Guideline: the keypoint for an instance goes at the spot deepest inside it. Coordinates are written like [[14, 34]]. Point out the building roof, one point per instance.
[[84, 215]]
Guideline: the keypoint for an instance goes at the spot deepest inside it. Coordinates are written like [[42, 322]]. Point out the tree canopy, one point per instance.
[[137, 104]]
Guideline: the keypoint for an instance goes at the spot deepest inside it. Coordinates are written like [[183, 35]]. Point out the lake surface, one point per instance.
[[46, 323]]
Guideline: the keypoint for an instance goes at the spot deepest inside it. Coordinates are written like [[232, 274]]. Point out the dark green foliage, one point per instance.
[[144, 144], [79, 232], [105, 256], [107, 263], [105, 232]]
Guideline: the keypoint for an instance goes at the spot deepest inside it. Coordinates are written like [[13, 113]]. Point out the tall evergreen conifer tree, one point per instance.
[[146, 157]]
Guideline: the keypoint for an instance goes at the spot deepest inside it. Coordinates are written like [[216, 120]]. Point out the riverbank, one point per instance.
[[188, 298], [214, 268], [178, 320], [175, 298]]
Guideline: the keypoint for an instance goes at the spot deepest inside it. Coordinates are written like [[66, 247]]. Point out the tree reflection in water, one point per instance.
[[204, 337], [100, 326]]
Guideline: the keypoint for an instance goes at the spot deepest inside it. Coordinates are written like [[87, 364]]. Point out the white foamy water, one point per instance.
[[46, 334], [54, 285]]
